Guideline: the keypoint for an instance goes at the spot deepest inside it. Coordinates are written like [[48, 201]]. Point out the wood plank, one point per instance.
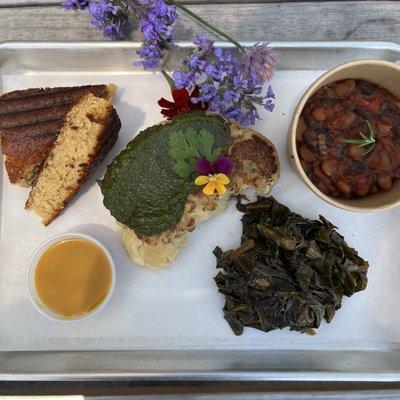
[[21, 3], [344, 20]]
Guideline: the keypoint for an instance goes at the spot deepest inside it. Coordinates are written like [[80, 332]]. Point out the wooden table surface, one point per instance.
[[245, 19]]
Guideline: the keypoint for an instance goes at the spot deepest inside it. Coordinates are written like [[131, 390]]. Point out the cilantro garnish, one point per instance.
[[188, 145]]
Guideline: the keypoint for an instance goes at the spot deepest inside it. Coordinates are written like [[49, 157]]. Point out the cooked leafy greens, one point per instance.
[[142, 188], [288, 272], [188, 145]]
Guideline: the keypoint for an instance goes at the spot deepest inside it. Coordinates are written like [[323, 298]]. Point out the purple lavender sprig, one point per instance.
[[155, 17], [106, 15], [75, 4], [232, 86], [113, 20], [156, 21]]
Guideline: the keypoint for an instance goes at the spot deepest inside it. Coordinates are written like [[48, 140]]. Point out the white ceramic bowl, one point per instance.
[[30, 277], [381, 73]]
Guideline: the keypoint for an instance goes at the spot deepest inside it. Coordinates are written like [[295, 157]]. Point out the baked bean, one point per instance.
[[329, 93], [386, 121], [350, 84], [361, 185], [383, 130], [318, 114], [301, 128], [384, 161], [341, 90], [385, 182], [343, 186], [306, 154], [355, 152], [320, 175], [330, 167], [344, 120]]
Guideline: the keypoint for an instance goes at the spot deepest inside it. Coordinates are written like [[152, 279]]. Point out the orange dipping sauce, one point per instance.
[[73, 277]]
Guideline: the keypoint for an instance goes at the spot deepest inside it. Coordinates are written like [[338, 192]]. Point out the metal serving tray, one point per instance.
[[277, 356]]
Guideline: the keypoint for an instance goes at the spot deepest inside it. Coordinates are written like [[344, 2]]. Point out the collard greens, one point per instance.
[[141, 187], [289, 271]]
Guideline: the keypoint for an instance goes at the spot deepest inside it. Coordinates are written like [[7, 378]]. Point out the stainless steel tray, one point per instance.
[[372, 363]]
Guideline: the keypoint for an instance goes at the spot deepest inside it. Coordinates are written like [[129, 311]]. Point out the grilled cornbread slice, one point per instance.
[[30, 121], [256, 165], [87, 134]]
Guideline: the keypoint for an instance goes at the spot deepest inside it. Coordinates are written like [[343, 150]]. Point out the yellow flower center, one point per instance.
[[213, 183]]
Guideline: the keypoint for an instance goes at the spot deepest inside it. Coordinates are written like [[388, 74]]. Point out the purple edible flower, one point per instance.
[[214, 71], [204, 44], [195, 62], [270, 93], [231, 96], [240, 83], [184, 80], [109, 18], [75, 4], [156, 21], [259, 60], [223, 165], [269, 105], [225, 82]]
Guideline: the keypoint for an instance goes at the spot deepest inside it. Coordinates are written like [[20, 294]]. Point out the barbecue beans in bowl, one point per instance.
[[344, 137]]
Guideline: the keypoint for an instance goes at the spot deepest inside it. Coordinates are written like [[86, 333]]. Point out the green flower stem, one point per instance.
[[169, 80], [205, 23]]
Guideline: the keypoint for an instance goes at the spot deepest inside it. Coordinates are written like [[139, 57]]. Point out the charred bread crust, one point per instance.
[[105, 141], [30, 121]]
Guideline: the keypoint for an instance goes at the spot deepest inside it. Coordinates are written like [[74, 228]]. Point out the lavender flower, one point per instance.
[[231, 96], [75, 4], [204, 44], [258, 62], [195, 62], [156, 21], [184, 79], [109, 18], [226, 85], [270, 93]]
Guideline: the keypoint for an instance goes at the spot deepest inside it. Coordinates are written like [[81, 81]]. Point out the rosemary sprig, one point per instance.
[[367, 141]]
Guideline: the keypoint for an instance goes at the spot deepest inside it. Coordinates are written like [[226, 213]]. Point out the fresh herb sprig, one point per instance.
[[368, 141], [187, 146]]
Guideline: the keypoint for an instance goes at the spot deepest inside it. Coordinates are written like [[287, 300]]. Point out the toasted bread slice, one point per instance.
[[30, 122], [87, 134], [256, 166]]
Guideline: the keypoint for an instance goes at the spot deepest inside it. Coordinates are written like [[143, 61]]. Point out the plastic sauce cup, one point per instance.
[[30, 277]]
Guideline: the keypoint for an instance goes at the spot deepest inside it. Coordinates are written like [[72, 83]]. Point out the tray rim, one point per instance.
[[50, 44], [8, 358]]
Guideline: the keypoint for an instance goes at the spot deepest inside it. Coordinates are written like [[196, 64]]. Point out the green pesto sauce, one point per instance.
[[140, 188]]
